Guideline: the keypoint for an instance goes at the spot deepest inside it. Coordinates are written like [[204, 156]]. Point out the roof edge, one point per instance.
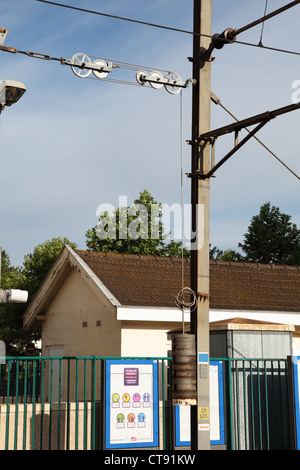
[[66, 260], [79, 262]]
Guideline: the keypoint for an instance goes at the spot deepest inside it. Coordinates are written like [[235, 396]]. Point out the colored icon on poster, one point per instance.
[[130, 418], [120, 418], [141, 417]]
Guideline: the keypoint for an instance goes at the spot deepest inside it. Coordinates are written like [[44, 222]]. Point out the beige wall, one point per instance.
[[71, 322], [145, 339], [77, 323]]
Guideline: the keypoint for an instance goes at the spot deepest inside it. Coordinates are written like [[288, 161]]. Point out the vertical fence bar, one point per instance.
[[33, 403], [267, 406], [17, 401], [84, 414], [163, 403], [171, 408], [7, 404], [287, 396], [280, 393], [76, 400], [252, 406], [59, 402], [50, 404], [245, 406], [102, 408], [25, 404], [259, 406], [237, 403], [68, 404], [229, 398], [93, 402], [42, 369]]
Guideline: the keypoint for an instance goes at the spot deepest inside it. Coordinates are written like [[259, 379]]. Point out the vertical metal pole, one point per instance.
[[0, 264], [200, 430]]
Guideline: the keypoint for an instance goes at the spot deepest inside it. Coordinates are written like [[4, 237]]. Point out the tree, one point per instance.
[[132, 230], [272, 238], [37, 264], [28, 277], [11, 332], [9, 274], [230, 255]]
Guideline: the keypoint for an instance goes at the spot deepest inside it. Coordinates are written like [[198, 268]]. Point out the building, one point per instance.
[[104, 304]]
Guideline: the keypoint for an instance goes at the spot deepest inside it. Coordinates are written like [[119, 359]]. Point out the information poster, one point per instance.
[[131, 418], [216, 413], [296, 363]]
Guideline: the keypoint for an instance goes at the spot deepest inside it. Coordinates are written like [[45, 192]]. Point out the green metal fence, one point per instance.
[[50, 403], [258, 404]]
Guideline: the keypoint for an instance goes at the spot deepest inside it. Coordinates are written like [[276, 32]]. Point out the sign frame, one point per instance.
[[131, 379], [179, 442]]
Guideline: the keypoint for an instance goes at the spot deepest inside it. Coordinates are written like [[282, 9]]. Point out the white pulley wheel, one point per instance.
[[97, 73], [156, 76], [81, 71], [170, 87], [139, 77]]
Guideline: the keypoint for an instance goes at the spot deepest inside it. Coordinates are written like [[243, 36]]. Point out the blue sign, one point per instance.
[[131, 404]]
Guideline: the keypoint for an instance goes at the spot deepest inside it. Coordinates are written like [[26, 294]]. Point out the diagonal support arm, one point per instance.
[[235, 149]]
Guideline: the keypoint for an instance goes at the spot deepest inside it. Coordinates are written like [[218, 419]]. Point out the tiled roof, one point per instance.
[[154, 281]]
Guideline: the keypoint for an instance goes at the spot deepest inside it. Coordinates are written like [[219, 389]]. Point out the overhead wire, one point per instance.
[[130, 66], [184, 31], [135, 67], [263, 25]]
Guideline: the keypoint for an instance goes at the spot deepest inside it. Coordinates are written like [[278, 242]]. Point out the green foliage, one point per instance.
[[9, 274], [230, 255], [132, 230], [37, 264], [29, 277], [272, 238]]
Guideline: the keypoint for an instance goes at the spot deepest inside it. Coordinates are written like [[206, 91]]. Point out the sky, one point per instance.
[[73, 144]]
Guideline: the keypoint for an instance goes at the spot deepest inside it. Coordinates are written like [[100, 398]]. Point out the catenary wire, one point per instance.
[[274, 49], [263, 25], [125, 82]]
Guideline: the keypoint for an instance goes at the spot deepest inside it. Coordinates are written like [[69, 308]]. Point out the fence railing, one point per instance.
[[50, 403], [258, 404]]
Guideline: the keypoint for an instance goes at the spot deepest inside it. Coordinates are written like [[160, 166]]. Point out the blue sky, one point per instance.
[[71, 144]]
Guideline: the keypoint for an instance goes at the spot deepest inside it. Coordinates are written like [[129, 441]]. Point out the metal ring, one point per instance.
[[181, 300], [80, 71], [173, 89], [97, 73]]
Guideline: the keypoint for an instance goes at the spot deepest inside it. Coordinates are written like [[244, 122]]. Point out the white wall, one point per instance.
[[144, 340]]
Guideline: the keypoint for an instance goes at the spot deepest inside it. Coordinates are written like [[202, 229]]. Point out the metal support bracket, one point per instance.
[[88, 66], [171, 81], [166, 81], [218, 42], [234, 150]]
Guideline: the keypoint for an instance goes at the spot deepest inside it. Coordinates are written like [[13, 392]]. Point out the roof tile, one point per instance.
[[155, 281]]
